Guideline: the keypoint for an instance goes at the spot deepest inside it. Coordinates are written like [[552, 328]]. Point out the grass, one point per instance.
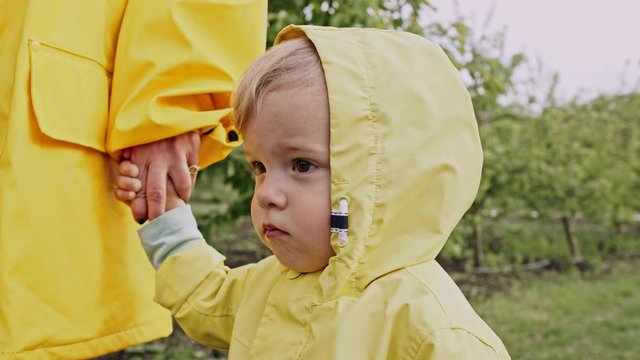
[[569, 316]]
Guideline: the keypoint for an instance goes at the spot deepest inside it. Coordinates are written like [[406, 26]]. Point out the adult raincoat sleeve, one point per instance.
[[175, 68]]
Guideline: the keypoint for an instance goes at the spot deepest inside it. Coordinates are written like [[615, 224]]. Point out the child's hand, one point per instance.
[[128, 184]]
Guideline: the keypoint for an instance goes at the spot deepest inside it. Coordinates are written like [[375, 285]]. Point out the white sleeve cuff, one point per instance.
[[169, 234]]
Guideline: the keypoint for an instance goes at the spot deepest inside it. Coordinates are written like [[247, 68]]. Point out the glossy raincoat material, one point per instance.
[[81, 80], [406, 154]]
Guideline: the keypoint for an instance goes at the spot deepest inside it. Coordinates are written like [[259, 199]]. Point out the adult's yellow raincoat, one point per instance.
[[406, 154], [82, 79]]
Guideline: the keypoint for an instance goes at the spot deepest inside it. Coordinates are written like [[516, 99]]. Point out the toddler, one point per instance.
[[366, 154]]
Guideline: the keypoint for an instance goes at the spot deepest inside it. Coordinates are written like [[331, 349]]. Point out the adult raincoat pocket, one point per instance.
[[69, 95]]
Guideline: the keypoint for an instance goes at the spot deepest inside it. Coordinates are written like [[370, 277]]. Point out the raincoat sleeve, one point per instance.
[[169, 234], [176, 64], [192, 280], [202, 293]]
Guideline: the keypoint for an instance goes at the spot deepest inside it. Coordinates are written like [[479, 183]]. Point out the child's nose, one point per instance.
[[270, 193]]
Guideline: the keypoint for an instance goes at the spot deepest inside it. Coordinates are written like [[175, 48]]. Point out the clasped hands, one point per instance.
[[158, 176]]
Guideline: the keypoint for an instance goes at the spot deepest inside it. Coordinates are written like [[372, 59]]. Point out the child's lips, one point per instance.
[[271, 231]]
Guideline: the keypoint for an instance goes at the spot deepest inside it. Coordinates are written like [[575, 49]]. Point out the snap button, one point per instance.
[[340, 221]]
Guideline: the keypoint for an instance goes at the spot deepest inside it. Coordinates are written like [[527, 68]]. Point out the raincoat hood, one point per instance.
[[405, 150]]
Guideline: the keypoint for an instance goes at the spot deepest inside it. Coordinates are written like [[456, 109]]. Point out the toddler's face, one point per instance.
[[287, 145]]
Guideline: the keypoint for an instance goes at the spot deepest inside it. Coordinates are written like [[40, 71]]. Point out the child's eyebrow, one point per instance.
[[304, 148]]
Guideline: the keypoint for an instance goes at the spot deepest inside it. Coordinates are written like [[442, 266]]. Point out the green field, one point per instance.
[[570, 315]]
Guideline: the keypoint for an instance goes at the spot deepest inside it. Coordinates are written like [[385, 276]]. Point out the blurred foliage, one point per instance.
[[483, 63], [522, 239], [383, 14], [575, 161]]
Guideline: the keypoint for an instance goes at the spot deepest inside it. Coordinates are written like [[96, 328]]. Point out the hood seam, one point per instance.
[[375, 175]]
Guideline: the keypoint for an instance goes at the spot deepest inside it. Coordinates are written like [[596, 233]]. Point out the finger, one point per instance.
[[139, 208], [171, 189], [128, 184], [182, 181], [173, 200], [127, 168], [156, 190], [124, 195]]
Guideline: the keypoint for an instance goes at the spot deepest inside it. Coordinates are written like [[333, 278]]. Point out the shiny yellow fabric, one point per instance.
[[80, 80], [406, 154]]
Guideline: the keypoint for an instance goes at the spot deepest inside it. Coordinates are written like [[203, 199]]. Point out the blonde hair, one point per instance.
[[293, 62]]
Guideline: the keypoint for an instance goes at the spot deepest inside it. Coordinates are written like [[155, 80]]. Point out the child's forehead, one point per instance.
[[292, 118], [294, 101], [293, 90]]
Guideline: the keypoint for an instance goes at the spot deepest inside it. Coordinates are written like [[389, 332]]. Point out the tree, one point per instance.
[[489, 75], [486, 67], [565, 173], [618, 122]]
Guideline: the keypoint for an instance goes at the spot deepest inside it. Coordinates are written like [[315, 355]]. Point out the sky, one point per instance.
[[594, 45]]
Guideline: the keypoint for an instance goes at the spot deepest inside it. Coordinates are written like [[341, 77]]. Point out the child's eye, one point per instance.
[[258, 167], [303, 166]]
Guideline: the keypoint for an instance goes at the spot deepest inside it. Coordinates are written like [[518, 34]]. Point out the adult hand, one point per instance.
[[160, 162]]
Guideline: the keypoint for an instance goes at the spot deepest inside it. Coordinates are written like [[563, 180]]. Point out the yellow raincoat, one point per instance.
[[82, 79], [406, 154]]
